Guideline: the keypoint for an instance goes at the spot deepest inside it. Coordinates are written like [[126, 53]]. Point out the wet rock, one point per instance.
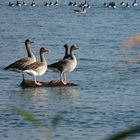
[[30, 83]]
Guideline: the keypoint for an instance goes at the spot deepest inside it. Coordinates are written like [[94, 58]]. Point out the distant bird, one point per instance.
[[86, 4], [127, 5], [105, 4], [18, 3], [135, 3], [46, 4], [74, 4], [33, 3], [112, 5], [56, 2], [37, 68], [70, 3], [122, 3], [82, 10], [24, 3], [11, 4], [66, 65], [50, 3], [20, 64]]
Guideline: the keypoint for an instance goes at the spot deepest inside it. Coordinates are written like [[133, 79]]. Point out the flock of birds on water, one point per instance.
[[83, 6], [68, 63], [29, 65]]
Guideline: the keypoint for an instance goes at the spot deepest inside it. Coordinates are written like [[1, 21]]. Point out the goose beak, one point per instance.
[[46, 50], [32, 41], [76, 48]]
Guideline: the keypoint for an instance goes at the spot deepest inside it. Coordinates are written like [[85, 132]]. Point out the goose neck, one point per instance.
[[42, 58]]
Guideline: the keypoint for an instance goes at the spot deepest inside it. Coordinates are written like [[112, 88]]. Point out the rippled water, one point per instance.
[[106, 99]]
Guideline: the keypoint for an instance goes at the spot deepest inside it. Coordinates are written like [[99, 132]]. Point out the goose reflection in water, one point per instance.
[[33, 91], [60, 90], [63, 91]]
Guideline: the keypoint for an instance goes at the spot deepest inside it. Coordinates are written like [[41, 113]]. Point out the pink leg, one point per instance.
[[62, 78], [37, 83]]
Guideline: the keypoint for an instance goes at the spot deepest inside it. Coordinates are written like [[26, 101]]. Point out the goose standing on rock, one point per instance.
[[37, 68], [22, 63], [66, 65], [66, 56]]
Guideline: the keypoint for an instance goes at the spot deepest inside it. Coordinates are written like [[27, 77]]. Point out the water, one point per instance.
[[106, 99]]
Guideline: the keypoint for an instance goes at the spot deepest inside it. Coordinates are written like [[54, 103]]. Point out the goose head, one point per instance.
[[74, 47], [28, 42], [43, 50], [66, 46]]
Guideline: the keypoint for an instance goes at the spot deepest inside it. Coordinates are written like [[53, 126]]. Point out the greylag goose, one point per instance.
[[22, 63], [37, 68], [66, 65]]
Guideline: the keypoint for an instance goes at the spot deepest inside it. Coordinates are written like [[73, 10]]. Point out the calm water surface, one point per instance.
[[106, 99]]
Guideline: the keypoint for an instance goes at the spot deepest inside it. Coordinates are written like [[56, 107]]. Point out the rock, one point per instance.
[[30, 83]]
